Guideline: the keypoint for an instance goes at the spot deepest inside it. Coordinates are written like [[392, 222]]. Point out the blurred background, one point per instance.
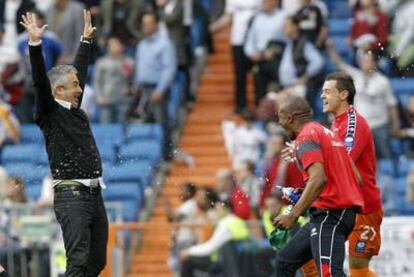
[[221, 70]]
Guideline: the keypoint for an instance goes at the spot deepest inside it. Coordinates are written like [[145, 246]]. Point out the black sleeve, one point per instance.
[[81, 65], [44, 100]]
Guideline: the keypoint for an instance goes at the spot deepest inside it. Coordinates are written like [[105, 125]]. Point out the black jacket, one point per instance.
[[70, 144]]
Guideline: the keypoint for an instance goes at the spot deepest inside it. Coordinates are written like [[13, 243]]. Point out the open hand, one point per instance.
[[30, 24], [88, 29]]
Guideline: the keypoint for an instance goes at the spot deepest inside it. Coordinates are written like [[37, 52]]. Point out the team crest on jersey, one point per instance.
[[360, 247]]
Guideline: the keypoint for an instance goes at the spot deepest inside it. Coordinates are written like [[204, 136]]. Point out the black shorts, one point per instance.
[[322, 239]]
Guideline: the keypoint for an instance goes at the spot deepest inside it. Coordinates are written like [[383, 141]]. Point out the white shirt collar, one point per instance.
[[64, 103]]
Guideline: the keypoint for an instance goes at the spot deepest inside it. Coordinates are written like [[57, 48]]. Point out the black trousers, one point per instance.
[[192, 264], [322, 239], [82, 217], [241, 67], [264, 73]]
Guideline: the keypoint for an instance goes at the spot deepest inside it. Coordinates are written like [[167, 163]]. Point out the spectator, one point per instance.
[[172, 13], [11, 12], [243, 140], [52, 51], [183, 237], [112, 83], [15, 192], [123, 18], [46, 194], [407, 124], [156, 66], [3, 179], [278, 172], [410, 187], [227, 188], [312, 23], [402, 36], [374, 99], [301, 63], [89, 102], [44, 5], [264, 45], [238, 13], [369, 26], [9, 125], [229, 228], [388, 193], [65, 19], [249, 183]]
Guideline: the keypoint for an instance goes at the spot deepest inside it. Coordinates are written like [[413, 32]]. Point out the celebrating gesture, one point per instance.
[[88, 29], [35, 32], [29, 22]]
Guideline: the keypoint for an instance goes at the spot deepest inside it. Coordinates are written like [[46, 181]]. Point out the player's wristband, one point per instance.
[[85, 40], [36, 43]]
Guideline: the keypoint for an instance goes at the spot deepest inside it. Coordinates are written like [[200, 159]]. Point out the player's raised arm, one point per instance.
[[44, 97], [82, 56]]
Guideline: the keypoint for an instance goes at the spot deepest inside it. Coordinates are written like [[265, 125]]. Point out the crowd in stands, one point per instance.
[[146, 60]]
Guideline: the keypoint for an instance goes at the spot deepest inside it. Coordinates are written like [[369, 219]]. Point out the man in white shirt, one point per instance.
[[238, 13], [375, 99], [264, 45]]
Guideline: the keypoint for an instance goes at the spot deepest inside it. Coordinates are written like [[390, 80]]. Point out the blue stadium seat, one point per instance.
[[138, 172], [30, 133], [43, 159], [338, 9], [123, 191], [404, 208], [403, 88], [27, 153], [386, 166], [107, 151], [108, 133], [129, 195], [339, 26], [403, 167], [400, 185], [122, 185], [33, 192], [403, 85], [31, 174], [343, 50], [144, 131], [149, 150]]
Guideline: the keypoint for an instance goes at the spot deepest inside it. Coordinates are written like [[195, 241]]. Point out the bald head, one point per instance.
[[297, 106], [293, 113]]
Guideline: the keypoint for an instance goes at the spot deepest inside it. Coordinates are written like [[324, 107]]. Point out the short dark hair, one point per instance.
[[248, 116], [39, 14], [151, 13], [343, 82], [295, 19]]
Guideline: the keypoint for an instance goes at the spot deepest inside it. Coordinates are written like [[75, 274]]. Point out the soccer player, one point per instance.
[[365, 240], [331, 192]]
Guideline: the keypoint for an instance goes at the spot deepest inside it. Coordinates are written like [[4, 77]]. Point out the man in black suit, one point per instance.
[[74, 159]]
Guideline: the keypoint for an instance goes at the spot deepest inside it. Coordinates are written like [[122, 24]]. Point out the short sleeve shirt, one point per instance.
[[317, 144]]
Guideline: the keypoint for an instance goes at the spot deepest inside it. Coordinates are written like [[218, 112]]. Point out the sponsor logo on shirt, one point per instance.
[[360, 247]]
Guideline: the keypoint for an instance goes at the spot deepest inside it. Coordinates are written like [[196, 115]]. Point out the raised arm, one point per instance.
[[82, 56], [43, 98]]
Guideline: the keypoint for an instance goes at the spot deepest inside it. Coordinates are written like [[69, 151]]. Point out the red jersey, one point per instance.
[[292, 178], [353, 130], [317, 144], [240, 202]]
